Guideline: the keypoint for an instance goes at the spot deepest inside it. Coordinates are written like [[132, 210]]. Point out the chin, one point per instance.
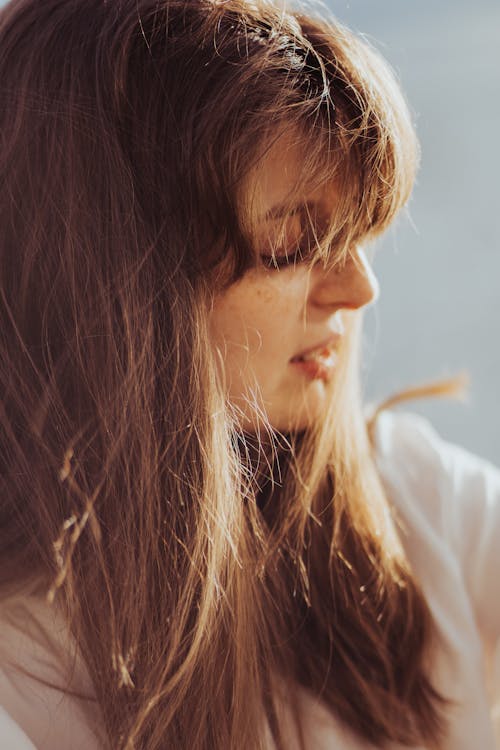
[[293, 409], [300, 410]]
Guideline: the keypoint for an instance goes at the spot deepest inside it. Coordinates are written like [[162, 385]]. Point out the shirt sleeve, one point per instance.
[[44, 685]]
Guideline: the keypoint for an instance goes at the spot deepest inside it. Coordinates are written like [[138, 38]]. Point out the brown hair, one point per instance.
[[127, 131]]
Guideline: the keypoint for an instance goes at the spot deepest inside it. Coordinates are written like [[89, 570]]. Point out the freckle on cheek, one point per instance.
[[266, 295]]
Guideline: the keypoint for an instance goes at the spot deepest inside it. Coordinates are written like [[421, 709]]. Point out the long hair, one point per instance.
[[198, 588]]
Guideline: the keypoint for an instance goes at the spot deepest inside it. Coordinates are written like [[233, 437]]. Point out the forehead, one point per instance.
[[283, 178]]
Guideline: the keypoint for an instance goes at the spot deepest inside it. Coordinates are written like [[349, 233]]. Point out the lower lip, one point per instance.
[[315, 369]]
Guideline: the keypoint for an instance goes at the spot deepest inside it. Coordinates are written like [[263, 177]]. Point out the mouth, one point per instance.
[[321, 350], [318, 362]]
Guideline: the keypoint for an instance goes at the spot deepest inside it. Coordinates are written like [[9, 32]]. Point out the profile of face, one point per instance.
[[278, 330]]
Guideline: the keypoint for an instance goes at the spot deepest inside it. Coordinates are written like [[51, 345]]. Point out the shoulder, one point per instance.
[[447, 503], [406, 442], [415, 461], [417, 469]]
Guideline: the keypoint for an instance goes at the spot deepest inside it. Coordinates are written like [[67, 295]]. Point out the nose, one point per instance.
[[352, 284]]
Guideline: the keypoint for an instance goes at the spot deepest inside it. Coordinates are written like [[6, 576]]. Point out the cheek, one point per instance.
[[255, 325], [247, 334], [243, 311]]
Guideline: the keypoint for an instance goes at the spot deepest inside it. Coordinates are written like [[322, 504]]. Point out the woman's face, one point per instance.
[[278, 330]]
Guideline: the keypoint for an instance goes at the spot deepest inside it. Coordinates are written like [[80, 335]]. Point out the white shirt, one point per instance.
[[448, 505]]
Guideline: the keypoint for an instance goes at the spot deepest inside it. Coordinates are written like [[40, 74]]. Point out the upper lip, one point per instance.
[[331, 342]]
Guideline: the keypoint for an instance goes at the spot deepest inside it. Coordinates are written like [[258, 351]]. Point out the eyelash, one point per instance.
[[305, 247], [275, 262]]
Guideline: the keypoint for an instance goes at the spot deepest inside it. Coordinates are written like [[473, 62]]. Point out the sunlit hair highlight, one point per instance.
[[205, 574], [353, 134]]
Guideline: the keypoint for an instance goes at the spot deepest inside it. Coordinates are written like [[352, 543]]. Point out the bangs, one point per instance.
[[329, 101], [339, 198], [354, 144], [361, 140]]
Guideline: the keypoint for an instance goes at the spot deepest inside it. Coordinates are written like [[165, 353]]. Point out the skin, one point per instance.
[[270, 315]]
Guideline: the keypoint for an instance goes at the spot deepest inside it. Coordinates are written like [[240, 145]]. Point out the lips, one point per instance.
[[324, 351], [318, 362]]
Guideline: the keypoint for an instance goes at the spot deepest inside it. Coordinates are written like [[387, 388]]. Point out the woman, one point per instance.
[[204, 542]]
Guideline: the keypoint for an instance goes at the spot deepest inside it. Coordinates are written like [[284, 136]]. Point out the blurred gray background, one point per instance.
[[439, 268]]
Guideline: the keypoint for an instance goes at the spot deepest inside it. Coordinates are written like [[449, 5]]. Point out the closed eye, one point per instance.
[[277, 261], [297, 242]]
